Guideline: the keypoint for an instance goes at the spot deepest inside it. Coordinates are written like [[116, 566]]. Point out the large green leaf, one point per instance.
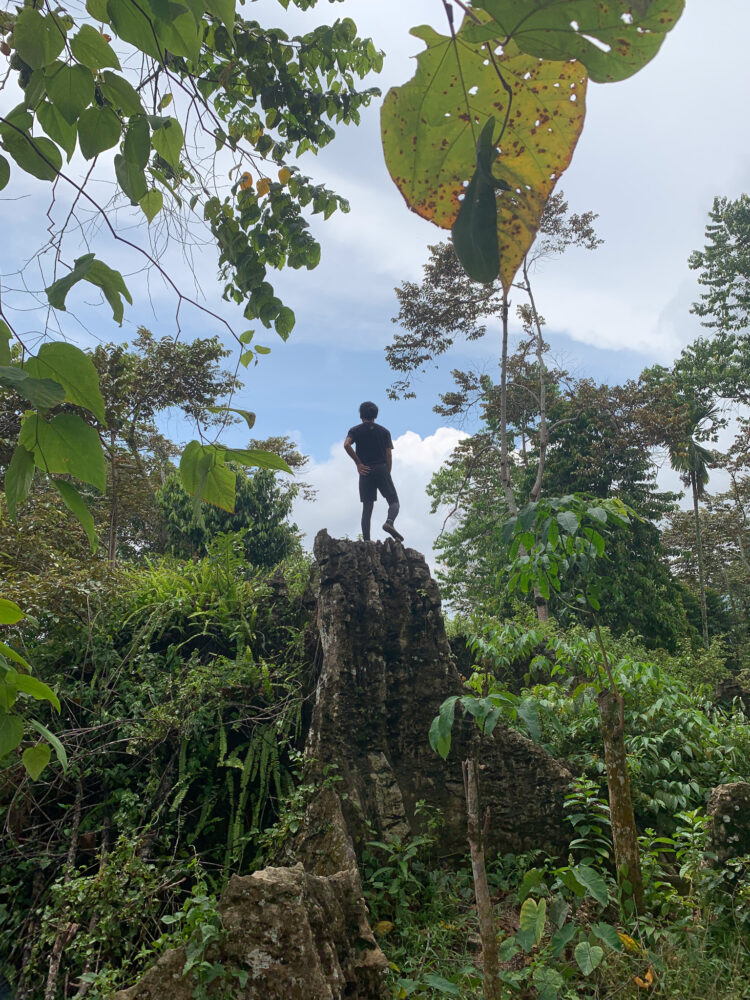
[[37, 155], [65, 445], [88, 268], [430, 128], [588, 956], [180, 35], [533, 919], [77, 507], [18, 477], [4, 172], [98, 129], [10, 613], [92, 49], [137, 144], [442, 727], [11, 733], [75, 372], [121, 95], [53, 741], [11, 654], [42, 393], [205, 476], [592, 881], [255, 458], [35, 759], [38, 39], [224, 10], [613, 40], [132, 23], [151, 204], [57, 127], [35, 688], [131, 179], [168, 141], [71, 89]]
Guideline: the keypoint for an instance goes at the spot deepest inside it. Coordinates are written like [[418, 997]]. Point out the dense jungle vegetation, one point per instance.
[[157, 656]]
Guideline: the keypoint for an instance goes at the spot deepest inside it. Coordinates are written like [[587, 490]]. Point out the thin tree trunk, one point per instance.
[[475, 836], [65, 930], [624, 833], [113, 511], [510, 497], [699, 553]]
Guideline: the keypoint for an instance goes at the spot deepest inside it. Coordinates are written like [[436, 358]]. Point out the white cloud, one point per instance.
[[337, 506]]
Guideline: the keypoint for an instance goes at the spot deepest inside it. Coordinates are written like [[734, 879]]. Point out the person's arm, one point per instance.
[[389, 459], [361, 468]]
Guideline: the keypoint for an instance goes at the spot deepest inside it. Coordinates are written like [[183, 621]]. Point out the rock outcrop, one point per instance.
[[729, 811], [386, 668], [290, 933], [301, 932]]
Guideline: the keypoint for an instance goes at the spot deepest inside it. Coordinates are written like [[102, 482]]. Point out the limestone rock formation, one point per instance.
[[729, 810], [301, 932], [295, 934], [386, 668]]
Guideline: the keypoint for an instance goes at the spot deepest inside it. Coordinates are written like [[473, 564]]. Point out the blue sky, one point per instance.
[[655, 151]]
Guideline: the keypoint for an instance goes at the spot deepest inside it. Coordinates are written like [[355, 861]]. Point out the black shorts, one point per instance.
[[378, 478]]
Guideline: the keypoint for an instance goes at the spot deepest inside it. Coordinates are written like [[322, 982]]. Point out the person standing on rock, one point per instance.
[[371, 449]]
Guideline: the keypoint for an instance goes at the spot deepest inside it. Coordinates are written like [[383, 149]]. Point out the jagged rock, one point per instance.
[[297, 936], [729, 810], [386, 668]]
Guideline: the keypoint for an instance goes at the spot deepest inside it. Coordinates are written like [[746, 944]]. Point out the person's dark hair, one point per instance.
[[368, 411]]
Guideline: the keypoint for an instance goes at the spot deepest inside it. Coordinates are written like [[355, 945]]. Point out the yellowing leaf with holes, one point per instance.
[[264, 186], [246, 181], [430, 128], [613, 39], [284, 174]]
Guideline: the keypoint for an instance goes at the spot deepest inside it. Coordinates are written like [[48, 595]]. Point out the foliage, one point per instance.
[[262, 507], [679, 745], [182, 694], [260, 96], [520, 70], [724, 268]]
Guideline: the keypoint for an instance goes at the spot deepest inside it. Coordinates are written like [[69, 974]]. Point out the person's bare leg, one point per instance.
[[367, 506]]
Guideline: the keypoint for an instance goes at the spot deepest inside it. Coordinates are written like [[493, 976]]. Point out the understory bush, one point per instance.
[[181, 686]]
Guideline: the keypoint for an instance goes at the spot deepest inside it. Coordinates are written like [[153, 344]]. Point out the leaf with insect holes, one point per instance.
[[430, 133], [613, 40]]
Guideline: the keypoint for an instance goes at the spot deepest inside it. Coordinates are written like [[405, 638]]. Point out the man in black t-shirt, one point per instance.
[[372, 454]]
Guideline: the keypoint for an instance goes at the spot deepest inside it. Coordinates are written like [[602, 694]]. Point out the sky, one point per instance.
[[654, 152]]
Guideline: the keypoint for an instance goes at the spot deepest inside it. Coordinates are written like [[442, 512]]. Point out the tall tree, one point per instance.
[[689, 457], [449, 303], [724, 266]]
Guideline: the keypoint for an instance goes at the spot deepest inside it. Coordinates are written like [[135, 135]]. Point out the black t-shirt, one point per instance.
[[370, 442]]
